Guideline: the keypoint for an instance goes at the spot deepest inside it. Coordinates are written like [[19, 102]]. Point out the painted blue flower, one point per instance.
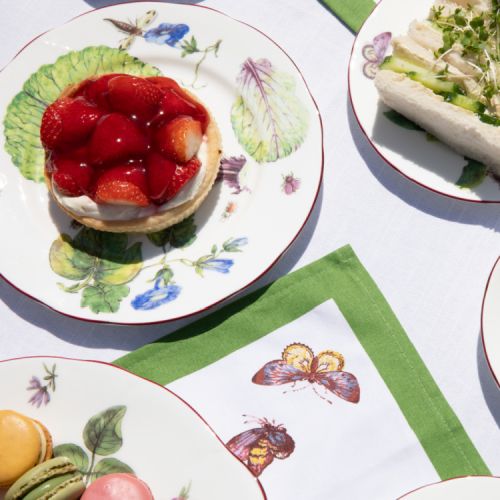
[[233, 245], [220, 265], [167, 33], [157, 296]]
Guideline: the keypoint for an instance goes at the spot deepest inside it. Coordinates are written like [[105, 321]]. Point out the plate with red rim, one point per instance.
[[490, 322], [269, 178], [460, 488], [413, 153], [148, 429]]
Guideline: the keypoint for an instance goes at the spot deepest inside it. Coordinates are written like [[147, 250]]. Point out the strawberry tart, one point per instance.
[[129, 154]]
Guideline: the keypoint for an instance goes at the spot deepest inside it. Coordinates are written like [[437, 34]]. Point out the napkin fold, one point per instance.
[[352, 12], [339, 277]]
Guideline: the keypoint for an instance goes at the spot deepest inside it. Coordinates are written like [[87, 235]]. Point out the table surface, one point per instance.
[[430, 255]]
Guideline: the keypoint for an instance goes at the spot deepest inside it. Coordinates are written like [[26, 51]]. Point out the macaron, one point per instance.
[[24, 443], [55, 479], [117, 487]]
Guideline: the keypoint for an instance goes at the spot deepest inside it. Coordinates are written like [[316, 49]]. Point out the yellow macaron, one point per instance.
[[24, 443]]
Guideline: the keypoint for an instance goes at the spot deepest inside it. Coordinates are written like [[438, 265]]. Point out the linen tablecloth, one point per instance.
[[319, 355], [429, 255]]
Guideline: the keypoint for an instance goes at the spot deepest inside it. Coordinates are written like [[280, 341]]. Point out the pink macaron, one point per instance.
[[118, 487]]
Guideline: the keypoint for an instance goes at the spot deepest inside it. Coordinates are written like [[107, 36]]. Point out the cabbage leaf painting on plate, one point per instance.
[[269, 120], [24, 113]]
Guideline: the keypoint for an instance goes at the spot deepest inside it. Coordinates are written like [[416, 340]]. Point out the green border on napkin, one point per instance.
[[351, 12], [339, 276]]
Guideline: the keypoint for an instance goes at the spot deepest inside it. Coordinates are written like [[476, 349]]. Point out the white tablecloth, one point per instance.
[[430, 255]]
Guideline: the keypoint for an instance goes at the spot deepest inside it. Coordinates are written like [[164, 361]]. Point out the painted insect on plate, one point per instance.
[[299, 364], [258, 447], [133, 29], [374, 53]]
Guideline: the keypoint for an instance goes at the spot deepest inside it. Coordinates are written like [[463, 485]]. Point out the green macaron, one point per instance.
[[55, 479]]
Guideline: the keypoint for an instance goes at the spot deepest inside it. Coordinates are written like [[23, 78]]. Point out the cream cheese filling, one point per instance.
[[43, 442], [85, 206]]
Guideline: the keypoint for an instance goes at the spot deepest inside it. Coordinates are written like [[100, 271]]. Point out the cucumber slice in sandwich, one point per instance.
[[398, 65], [437, 85], [430, 80], [465, 102]]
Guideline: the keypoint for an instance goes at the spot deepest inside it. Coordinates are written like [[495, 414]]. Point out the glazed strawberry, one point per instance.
[[163, 82], [160, 172], [180, 139], [116, 138], [183, 173], [96, 91], [123, 185], [51, 127], [175, 103], [132, 95], [72, 177], [68, 121]]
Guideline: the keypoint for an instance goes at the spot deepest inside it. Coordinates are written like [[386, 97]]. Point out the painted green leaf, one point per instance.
[[115, 264], [165, 274], [268, 119], [178, 236], [89, 241], [75, 454], [104, 298], [473, 174], [402, 121], [109, 466], [69, 262], [122, 269], [102, 434], [24, 113]]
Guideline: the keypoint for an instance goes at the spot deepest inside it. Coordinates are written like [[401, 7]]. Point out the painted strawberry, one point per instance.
[[72, 177], [180, 139], [183, 174], [160, 172], [123, 185], [68, 121], [132, 95], [175, 103], [96, 91], [116, 138]]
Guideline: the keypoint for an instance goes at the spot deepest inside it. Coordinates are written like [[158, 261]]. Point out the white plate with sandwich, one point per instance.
[[424, 88]]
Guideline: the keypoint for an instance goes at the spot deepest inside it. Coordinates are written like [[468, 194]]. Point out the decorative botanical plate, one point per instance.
[[400, 142], [490, 321], [269, 178], [106, 419], [461, 488]]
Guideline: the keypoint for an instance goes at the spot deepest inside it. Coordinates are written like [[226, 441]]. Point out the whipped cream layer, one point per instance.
[[85, 206]]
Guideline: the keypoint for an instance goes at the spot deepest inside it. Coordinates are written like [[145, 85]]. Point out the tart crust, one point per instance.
[[160, 220]]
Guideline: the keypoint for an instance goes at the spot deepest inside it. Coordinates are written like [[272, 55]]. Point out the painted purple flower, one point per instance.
[[229, 172], [157, 296], [290, 184], [41, 394], [234, 244], [222, 266], [166, 33]]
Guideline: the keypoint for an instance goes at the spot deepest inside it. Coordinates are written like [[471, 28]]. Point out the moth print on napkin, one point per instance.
[[258, 447], [299, 364]]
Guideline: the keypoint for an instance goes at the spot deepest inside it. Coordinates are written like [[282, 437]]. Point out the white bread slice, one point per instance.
[[426, 35], [410, 50], [478, 5], [462, 130], [450, 7]]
